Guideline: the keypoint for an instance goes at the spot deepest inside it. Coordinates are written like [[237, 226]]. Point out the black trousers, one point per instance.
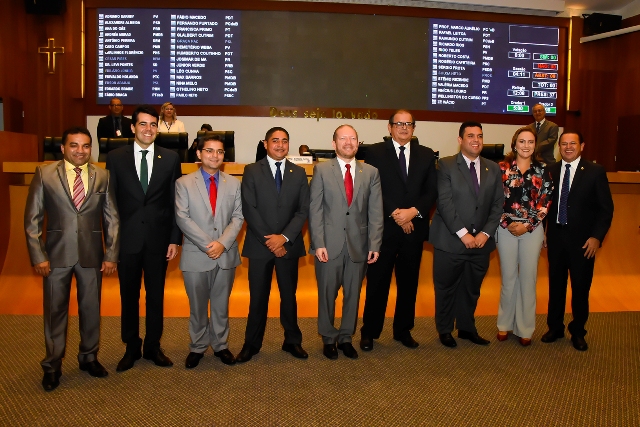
[[405, 257], [260, 275], [131, 269], [457, 279], [566, 259]]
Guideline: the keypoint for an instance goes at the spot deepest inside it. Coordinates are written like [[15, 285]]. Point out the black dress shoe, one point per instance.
[[330, 351], [225, 356], [192, 360], [551, 336], [246, 353], [51, 380], [348, 350], [579, 343], [473, 337], [128, 360], [296, 350], [407, 340], [94, 368], [448, 341], [158, 357], [366, 343]]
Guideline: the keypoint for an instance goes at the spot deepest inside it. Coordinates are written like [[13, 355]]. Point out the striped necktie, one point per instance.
[[78, 189]]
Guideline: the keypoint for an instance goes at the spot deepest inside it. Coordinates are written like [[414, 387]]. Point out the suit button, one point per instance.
[[347, 213], [215, 229]]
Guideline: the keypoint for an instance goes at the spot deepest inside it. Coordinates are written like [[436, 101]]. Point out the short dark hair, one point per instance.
[[74, 131], [145, 109], [393, 116], [206, 126], [469, 124], [274, 130], [573, 132], [214, 137]]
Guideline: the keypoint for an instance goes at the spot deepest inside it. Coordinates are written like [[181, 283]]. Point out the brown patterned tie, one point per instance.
[[78, 189]]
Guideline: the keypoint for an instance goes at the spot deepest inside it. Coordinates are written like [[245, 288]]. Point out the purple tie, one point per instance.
[[474, 177]]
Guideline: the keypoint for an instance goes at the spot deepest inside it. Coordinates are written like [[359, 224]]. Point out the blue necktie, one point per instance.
[[564, 196], [474, 177], [278, 177], [403, 164]]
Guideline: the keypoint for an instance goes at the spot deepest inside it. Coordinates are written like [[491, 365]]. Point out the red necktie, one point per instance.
[[348, 184], [213, 194], [78, 189]]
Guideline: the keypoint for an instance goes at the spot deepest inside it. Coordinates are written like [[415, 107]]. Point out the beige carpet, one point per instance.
[[499, 385]]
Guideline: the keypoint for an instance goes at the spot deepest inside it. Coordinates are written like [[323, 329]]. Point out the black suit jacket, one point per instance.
[[146, 220], [420, 190], [268, 212], [589, 207], [107, 130]]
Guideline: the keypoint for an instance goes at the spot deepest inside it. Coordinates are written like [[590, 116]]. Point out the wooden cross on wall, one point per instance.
[[51, 52]]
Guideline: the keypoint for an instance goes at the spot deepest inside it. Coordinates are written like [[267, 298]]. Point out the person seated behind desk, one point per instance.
[[168, 120]]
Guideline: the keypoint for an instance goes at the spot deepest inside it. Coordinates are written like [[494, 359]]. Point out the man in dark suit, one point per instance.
[[144, 177], [408, 177], [80, 205], [547, 134], [345, 222], [115, 125], [275, 205], [580, 216], [470, 199]]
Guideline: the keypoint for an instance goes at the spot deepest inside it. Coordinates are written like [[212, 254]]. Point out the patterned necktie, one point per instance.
[[348, 185], [213, 194], [474, 177], [144, 171], [278, 177], [78, 189], [538, 127], [403, 164], [564, 196]]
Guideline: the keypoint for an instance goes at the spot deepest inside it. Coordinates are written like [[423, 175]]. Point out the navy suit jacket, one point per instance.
[[146, 220]]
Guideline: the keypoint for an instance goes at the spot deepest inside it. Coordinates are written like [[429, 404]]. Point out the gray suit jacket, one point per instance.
[[458, 206], [200, 227], [331, 221], [73, 236], [546, 142]]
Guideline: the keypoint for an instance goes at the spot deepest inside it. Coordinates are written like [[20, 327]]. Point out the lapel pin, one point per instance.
[[224, 180], [582, 168], [486, 169], [360, 171], [290, 170], [159, 156]]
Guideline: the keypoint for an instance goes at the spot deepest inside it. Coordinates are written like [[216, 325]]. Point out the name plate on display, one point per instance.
[[301, 160]]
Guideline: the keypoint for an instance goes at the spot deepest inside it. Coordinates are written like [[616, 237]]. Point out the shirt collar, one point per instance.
[[206, 175], [542, 121], [70, 167], [139, 149], [397, 145], [342, 163], [573, 164]]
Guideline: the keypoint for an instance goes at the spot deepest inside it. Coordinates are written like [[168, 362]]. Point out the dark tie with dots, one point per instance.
[[278, 177], [564, 196], [403, 164]]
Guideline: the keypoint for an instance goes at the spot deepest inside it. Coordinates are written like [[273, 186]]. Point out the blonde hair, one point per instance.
[[164, 106]]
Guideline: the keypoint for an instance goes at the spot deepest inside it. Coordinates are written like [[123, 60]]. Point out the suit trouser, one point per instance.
[[566, 259], [56, 294], [405, 257], [519, 268], [457, 279], [213, 286], [331, 275], [130, 272], [260, 275]]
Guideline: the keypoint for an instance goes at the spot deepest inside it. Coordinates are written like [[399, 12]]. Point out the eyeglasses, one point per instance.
[[212, 151], [404, 124]]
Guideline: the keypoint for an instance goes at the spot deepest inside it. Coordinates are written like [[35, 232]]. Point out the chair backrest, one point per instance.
[[51, 148], [228, 140], [174, 141], [493, 152], [322, 153], [107, 144]]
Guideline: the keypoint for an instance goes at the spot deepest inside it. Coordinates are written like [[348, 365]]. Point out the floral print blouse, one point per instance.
[[527, 196]]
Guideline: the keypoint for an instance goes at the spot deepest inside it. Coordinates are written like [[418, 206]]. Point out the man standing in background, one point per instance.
[[115, 125], [547, 134]]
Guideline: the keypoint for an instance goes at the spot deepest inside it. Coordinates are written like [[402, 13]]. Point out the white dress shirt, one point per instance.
[[138, 158]]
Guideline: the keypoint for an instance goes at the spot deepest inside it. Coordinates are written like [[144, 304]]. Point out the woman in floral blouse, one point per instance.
[[527, 197]]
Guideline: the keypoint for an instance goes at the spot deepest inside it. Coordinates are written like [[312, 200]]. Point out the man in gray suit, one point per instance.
[[547, 134], [345, 222], [209, 213], [80, 206], [470, 199]]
